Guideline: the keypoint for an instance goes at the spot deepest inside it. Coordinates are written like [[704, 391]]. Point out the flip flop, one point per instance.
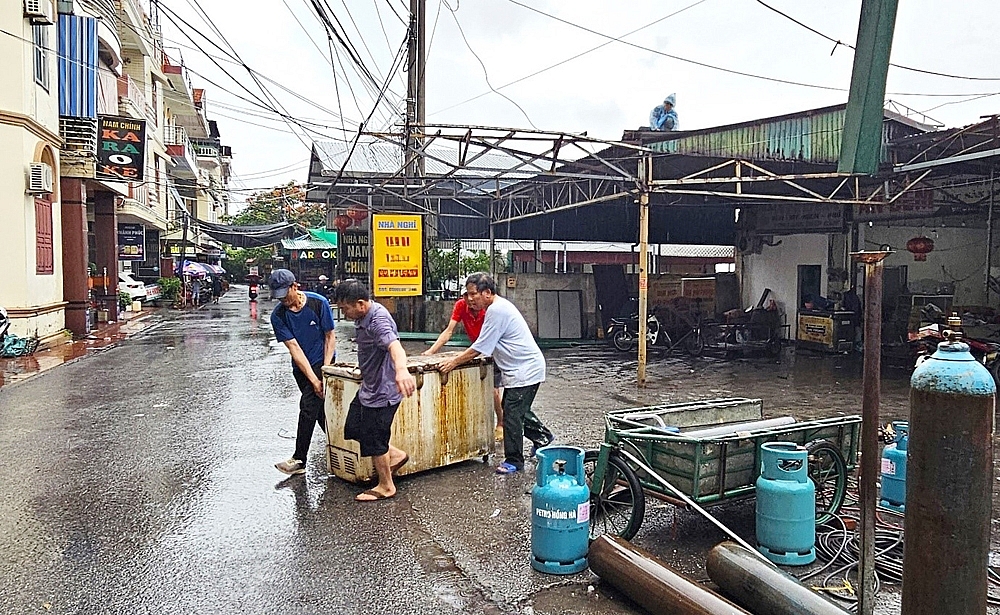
[[396, 466], [376, 496], [507, 468]]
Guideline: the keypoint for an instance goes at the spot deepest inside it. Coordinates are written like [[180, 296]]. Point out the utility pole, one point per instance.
[[416, 115], [645, 174]]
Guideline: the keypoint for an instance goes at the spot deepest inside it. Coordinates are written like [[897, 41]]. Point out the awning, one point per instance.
[[324, 235]]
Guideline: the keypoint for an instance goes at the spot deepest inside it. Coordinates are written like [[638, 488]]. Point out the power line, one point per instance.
[[837, 42], [570, 59], [678, 58], [486, 73], [267, 93]]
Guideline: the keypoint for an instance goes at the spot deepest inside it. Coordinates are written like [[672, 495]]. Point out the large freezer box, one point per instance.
[[448, 419]]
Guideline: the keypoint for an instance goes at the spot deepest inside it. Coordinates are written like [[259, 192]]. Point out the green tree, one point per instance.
[[236, 260], [285, 203]]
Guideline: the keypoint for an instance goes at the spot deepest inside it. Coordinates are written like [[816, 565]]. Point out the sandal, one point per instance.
[[374, 496], [507, 468], [396, 466]]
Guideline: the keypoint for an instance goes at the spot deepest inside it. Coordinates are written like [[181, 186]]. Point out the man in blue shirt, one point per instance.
[[385, 381], [303, 321]]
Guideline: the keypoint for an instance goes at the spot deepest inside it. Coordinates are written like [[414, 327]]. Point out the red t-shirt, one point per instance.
[[471, 320]]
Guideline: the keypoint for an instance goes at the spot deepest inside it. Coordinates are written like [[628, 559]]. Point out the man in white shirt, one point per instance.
[[505, 336]]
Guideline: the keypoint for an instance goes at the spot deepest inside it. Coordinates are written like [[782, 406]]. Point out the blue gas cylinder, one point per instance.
[[560, 504], [894, 468], [786, 505]]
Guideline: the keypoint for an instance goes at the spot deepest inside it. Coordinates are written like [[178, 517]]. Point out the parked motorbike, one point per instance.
[[624, 332], [624, 335], [253, 292], [4, 324]]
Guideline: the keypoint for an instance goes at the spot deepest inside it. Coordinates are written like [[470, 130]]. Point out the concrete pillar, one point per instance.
[[106, 235], [74, 253]]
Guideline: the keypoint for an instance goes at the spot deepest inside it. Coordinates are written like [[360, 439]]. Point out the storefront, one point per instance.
[[310, 257]]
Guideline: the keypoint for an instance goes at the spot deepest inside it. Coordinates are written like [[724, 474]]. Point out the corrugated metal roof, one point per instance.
[[376, 157], [809, 136]]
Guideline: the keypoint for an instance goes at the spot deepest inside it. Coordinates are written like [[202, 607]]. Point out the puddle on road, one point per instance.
[[447, 580]]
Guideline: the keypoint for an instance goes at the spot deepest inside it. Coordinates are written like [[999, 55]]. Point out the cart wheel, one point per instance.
[[620, 506], [622, 340], [695, 344], [828, 472]]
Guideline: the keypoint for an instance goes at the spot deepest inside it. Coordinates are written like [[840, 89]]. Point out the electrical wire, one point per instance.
[[675, 57], [567, 60], [486, 74], [837, 43], [264, 90]]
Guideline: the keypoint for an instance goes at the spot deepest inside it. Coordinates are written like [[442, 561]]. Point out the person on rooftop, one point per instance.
[[663, 118]]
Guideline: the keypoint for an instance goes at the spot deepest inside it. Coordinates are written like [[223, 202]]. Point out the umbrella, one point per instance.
[[194, 269]]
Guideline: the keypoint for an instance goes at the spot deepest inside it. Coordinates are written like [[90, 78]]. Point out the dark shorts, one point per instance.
[[497, 376], [375, 429]]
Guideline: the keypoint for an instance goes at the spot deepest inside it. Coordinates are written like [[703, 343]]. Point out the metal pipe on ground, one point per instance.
[[728, 430], [650, 584], [761, 588]]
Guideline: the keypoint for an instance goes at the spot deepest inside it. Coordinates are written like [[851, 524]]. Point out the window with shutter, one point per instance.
[[43, 237]]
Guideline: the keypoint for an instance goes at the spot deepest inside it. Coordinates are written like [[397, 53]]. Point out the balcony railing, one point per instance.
[[175, 135], [206, 151], [132, 97]]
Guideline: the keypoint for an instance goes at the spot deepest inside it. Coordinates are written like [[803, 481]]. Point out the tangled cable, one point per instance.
[[838, 546]]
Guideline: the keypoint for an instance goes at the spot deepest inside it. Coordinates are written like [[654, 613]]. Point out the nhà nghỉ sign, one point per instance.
[[121, 147], [398, 255]]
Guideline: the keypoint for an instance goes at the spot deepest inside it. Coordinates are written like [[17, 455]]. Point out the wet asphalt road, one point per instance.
[[140, 480]]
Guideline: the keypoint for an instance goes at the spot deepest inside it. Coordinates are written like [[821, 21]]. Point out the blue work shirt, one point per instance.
[[305, 326], [373, 333]]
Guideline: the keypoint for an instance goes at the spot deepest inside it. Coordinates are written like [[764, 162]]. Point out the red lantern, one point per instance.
[[357, 213], [921, 247], [342, 222]]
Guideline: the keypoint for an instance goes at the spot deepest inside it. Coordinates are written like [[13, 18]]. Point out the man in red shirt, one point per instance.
[[472, 321]]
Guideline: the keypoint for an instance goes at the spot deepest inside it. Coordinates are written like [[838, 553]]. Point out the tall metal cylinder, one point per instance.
[[650, 584], [761, 588], [948, 485]]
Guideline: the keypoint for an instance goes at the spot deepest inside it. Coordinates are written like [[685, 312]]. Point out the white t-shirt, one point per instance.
[[506, 337]]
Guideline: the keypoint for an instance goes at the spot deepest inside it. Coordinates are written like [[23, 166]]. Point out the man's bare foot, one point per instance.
[[373, 495]]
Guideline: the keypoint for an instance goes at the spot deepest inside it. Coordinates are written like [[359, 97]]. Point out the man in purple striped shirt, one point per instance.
[[385, 380]]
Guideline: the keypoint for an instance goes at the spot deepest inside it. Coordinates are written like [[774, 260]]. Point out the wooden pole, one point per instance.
[[643, 265], [871, 391]]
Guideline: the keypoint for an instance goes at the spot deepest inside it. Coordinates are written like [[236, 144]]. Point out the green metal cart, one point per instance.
[[675, 453]]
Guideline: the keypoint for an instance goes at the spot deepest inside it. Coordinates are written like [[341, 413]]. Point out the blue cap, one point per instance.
[[279, 282]]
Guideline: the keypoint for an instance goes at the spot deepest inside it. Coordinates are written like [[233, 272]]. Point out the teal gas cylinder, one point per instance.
[[560, 505], [786, 505], [894, 468]]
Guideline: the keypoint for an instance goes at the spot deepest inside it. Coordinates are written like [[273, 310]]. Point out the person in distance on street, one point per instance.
[[385, 381], [303, 321], [505, 336]]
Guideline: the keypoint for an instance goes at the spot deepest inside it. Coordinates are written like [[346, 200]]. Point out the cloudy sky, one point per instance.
[[585, 81]]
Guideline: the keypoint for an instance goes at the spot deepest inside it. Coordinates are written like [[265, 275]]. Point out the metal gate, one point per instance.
[[560, 314]]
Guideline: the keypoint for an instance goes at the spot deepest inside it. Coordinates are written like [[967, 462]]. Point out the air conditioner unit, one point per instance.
[[40, 178], [38, 11]]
